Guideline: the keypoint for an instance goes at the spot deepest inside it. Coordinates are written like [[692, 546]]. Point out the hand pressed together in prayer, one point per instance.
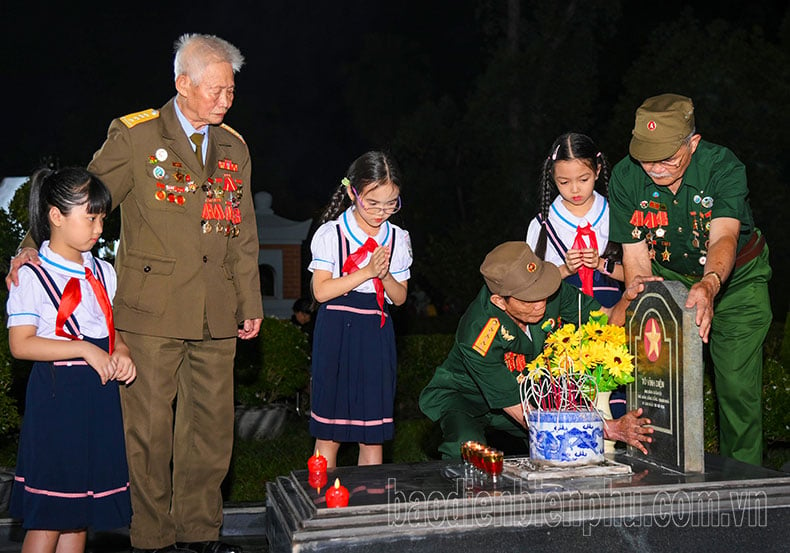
[[379, 262], [576, 259]]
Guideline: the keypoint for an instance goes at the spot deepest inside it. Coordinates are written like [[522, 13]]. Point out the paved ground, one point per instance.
[[243, 524], [119, 543]]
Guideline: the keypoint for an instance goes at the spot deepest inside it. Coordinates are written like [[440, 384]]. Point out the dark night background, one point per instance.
[[467, 94]]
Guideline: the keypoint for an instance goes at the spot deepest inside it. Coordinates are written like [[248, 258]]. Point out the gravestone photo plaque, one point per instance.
[[664, 340]]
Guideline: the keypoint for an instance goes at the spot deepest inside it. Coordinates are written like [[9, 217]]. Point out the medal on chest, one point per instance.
[[223, 191], [700, 224], [221, 208], [650, 220]]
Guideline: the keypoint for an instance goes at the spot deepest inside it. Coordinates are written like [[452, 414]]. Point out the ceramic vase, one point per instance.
[[565, 438], [602, 404]]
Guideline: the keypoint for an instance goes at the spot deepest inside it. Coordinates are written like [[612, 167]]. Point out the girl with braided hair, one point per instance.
[[572, 228], [360, 264]]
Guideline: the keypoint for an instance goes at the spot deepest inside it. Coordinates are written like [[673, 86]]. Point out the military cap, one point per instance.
[[512, 269], [662, 123]]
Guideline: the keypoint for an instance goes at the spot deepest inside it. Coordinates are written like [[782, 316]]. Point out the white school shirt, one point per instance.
[[565, 223], [324, 248], [29, 304]]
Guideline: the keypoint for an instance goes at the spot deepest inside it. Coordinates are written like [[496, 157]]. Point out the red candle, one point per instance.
[[316, 463], [337, 495], [317, 480]]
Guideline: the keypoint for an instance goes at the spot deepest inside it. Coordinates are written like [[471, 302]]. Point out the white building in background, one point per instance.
[[279, 257], [8, 187]]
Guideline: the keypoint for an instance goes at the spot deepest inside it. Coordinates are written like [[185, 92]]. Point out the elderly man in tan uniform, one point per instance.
[[188, 286]]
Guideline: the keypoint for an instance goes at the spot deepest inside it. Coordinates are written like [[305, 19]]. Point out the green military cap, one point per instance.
[[662, 123], [512, 269]]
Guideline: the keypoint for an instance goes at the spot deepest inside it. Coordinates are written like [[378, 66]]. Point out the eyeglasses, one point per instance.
[[388, 209], [673, 162]]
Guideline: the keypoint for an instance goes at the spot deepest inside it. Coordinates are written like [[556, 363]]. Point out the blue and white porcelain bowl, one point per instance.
[[565, 438]]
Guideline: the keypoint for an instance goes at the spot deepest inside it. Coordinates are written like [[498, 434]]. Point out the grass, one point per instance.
[[256, 462]]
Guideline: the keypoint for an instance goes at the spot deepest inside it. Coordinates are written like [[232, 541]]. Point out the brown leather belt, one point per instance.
[[750, 250]]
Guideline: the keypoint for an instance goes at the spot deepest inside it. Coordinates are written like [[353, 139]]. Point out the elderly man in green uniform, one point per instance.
[[679, 206], [188, 287], [474, 390]]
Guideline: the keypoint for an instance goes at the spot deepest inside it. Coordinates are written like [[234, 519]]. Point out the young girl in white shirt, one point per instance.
[[360, 264], [71, 470], [572, 228]]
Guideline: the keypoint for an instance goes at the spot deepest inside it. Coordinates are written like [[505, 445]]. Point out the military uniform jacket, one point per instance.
[[189, 241], [676, 227], [490, 350]]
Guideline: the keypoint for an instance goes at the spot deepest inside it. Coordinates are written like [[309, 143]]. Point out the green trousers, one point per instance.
[[740, 323], [459, 427], [742, 316]]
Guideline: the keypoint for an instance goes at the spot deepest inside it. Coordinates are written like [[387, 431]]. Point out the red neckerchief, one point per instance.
[[351, 265], [72, 298], [585, 273]]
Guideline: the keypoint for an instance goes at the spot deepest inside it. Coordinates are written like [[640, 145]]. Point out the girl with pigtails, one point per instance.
[[360, 264], [572, 229]]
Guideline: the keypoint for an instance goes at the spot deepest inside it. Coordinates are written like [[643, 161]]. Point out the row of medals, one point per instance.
[[699, 223], [214, 194]]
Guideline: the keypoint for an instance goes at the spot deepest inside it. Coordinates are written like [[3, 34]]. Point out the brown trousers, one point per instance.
[[183, 503]]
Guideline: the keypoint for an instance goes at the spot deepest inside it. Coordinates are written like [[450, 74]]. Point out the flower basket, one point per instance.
[[559, 388]]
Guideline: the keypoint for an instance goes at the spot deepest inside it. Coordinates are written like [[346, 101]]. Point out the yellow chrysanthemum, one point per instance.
[[536, 368], [596, 353], [563, 339], [580, 361], [587, 355], [614, 335], [619, 364], [593, 330]]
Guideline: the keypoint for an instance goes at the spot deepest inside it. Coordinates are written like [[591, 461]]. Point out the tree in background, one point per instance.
[[740, 82], [472, 151]]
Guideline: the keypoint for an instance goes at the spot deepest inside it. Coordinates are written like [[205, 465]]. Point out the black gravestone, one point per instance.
[[664, 340]]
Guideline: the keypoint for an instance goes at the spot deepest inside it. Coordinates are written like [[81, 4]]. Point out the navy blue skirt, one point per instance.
[[606, 290], [71, 469], [354, 364]]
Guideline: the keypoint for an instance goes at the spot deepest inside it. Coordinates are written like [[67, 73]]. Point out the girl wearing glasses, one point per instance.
[[572, 228], [360, 264]]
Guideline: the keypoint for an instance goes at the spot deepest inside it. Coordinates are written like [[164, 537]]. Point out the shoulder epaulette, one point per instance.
[[486, 336], [141, 116], [232, 131]]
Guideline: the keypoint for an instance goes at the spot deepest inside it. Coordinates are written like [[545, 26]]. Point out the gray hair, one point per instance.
[[195, 51]]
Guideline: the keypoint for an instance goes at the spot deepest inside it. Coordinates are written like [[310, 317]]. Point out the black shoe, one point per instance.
[[167, 549], [210, 547]]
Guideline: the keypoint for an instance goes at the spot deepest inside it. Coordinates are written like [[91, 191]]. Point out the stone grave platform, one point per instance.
[[430, 507]]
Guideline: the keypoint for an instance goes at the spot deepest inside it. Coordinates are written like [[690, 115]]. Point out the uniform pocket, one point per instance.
[[144, 281]]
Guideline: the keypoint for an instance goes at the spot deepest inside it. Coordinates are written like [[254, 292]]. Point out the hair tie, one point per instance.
[[598, 154], [556, 151], [345, 182]]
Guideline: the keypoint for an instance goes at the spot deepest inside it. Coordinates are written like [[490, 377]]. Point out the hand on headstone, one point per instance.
[[701, 296], [631, 428], [637, 286]]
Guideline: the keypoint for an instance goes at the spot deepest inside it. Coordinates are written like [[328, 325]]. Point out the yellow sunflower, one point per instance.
[[594, 354], [614, 335], [593, 330], [619, 364], [563, 339]]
